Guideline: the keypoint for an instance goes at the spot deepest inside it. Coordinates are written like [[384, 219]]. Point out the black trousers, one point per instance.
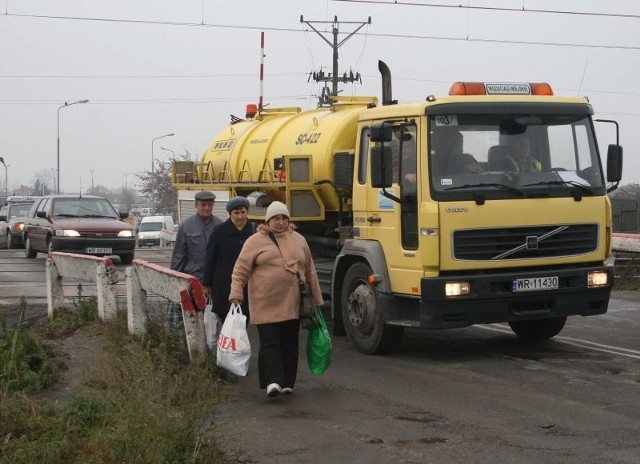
[[278, 355]]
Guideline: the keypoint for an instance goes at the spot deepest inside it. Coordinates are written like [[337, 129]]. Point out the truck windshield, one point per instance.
[[502, 154]]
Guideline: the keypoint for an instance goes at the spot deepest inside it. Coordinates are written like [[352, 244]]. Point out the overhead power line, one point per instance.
[[138, 76], [492, 8], [370, 34]]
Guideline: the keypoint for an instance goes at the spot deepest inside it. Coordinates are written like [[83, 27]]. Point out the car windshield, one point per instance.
[[83, 207], [505, 153], [20, 210]]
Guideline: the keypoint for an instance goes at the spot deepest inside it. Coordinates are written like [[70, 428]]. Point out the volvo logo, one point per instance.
[[532, 242]]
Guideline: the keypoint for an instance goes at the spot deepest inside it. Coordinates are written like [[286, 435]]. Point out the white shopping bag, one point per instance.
[[210, 325], [234, 349]]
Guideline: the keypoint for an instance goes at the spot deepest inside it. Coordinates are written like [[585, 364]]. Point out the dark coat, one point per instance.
[[223, 249]]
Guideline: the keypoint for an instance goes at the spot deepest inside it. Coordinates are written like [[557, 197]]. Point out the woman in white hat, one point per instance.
[[268, 264]]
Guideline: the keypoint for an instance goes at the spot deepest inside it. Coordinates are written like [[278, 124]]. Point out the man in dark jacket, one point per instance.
[[191, 244], [223, 249]]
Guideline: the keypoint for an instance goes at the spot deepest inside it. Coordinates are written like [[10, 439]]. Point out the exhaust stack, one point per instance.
[[386, 84]]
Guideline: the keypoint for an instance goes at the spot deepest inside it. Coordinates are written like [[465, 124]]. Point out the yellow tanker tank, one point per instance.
[[304, 158]]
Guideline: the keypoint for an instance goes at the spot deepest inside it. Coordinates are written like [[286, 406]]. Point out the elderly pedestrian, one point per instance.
[[269, 264], [191, 243], [223, 249]]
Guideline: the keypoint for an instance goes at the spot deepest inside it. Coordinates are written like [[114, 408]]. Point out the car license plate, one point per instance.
[[535, 284], [104, 251]]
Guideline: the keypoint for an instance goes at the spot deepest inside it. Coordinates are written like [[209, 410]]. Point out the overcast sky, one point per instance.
[[153, 67]]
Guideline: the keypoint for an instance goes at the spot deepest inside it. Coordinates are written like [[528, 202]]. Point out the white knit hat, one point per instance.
[[274, 209]]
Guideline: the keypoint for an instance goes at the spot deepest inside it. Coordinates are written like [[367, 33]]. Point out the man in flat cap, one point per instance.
[[193, 234], [223, 249], [191, 243]]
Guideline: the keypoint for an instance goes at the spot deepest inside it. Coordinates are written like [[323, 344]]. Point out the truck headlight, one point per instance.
[[597, 279], [457, 288], [125, 233]]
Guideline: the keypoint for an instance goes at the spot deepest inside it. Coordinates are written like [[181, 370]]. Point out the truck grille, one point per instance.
[[525, 242]]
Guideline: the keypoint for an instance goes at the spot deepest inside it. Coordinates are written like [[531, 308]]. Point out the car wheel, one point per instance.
[[28, 251], [126, 259], [10, 243]]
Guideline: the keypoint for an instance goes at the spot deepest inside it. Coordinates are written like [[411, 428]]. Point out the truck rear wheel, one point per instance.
[[362, 320], [538, 329]]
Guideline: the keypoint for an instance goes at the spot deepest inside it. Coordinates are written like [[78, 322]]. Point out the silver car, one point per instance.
[[12, 216]]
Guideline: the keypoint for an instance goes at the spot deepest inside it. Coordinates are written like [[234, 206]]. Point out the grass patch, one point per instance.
[[25, 364], [142, 402], [68, 321]]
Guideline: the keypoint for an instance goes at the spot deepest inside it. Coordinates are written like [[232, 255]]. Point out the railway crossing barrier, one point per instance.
[[85, 268], [141, 278]]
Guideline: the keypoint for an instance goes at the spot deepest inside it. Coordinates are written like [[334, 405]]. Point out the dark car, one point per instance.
[[12, 216], [84, 224]]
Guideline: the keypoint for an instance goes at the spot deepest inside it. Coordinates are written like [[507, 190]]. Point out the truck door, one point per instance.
[[392, 218]]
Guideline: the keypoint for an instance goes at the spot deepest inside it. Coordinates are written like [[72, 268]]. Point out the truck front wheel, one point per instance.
[[362, 320], [538, 329]]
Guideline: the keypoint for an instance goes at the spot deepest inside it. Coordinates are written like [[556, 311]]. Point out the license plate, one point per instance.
[[104, 251], [535, 284]]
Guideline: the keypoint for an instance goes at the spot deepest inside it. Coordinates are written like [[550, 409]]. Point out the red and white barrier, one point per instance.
[[143, 277], [81, 267], [625, 242]]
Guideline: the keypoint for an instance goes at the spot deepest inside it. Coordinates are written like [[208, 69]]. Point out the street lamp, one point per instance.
[[6, 177], [58, 150], [153, 168], [93, 190], [173, 154]]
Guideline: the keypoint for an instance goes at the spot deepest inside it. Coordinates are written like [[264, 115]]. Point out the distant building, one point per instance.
[[24, 191]]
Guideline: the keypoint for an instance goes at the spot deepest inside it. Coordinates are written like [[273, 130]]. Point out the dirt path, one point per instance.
[[80, 352]]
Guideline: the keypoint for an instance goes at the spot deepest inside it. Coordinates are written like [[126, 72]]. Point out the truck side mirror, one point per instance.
[[614, 163], [381, 132], [381, 167]]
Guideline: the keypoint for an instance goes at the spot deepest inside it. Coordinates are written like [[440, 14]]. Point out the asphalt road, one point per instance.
[[475, 395]]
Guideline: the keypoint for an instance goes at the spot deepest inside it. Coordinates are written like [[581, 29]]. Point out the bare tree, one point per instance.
[[43, 182]]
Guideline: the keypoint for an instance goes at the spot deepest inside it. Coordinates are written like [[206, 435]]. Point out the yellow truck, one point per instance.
[[487, 205]]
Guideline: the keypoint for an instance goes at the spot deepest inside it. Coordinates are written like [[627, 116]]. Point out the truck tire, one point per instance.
[[28, 251], [362, 320], [538, 329]]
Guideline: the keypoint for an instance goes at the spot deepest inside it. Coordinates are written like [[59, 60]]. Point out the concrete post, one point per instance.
[[55, 292], [136, 303]]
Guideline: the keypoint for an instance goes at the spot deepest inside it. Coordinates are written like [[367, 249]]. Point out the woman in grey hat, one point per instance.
[[223, 249]]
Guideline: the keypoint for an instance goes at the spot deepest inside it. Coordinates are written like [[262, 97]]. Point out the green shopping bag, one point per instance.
[[319, 346]]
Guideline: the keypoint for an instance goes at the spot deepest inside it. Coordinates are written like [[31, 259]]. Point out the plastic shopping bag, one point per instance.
[[319, 346], [210, 325], [234, 349]]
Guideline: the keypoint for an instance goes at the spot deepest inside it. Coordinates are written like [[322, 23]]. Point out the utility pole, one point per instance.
[[334, 77]]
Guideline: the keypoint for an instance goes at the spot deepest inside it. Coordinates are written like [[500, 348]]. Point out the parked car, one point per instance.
[[12, 216], [150, 229], [84, 224]]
